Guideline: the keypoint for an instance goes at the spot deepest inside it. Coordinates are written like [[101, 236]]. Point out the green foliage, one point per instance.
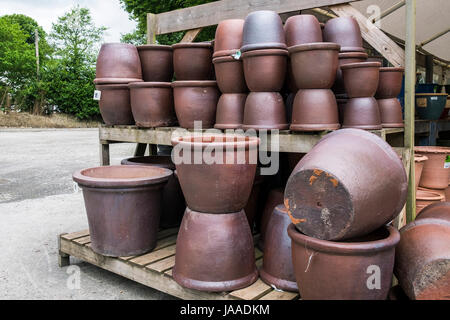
[[136, 37]]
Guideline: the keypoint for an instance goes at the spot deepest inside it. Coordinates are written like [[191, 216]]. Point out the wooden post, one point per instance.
[[190, 35], [104, 153], [152, 26], [140, 150]]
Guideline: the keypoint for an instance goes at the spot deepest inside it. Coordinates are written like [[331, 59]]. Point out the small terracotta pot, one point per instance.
[[341, 102], [156, 62], [230, 111], [362, 113], [314, 110], [264, 110], [419, 162], [426, 197], [274, 198], [301, 29], [115, 105], [434, 174], [229, 35], [252, 205], [195, 101], [314, 65], [277, 269], [265, 70], [390, 83], [230, 74], [123, 206], [361, 78], [327, 270], [438, 210], [192, 61], [344, 31], [345, 58], [390, 113]]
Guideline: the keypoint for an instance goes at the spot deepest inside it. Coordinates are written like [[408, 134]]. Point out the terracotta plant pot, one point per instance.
[[301, 29], [419, 162], [214, 252], [314, 65], [434, 174], [216, 187], [152, 104], [344, 31], [230, 111], [361, 78], [274, 198], [341, 102], [229, 35], [327, 270], [362, 113], [173, 203], [290, 81], [123, 206], [252, 205], [427, 197], [390, 113], [390, 83], [264, 110], [314, 110], [440, 192], [156, 62], [277, 269], [438, 210], [263, 30], [195, 101], [345, 58], [115, 105], [265, 70], [192, 61], [230, 74], [332, 196]]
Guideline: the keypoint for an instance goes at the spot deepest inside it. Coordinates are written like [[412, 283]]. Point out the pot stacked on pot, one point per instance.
[[389, 87]]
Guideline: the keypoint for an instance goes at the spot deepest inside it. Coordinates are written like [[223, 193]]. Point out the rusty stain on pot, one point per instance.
[[288, 211]]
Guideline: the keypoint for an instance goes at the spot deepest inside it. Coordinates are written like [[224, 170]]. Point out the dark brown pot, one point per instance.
[[390, 83], [332, 196], [344, 31], [434, 174], [192, 61], [390, 113], [230, 74], [152, 104], [439, 210], [252, 205], [264, 110], [214, 252], [301, 29], [156, 62], [218, 187], [195, 101], [230, 111], [275, 198], [314, 65], [173, 203], [362, 113], [277, 269], [314, 110], [427, 197], [327, 270], [341, 102], [419, 162], [361, 78], [422, 261], [115, 105], [123, 206], [345, 58], [263, 30], [229, 35], [265, 70]]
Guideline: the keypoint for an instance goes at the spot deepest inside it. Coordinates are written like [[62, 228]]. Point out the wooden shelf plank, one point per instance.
[[75, 235], [253, 292], [280, 295], [154, 256], [162, 265]]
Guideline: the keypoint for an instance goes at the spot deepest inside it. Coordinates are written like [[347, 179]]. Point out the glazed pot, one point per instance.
[[419, 162], [192, 61], [230, 111], [156, 62], [152, 104], [341, 102], [123, 206], [327, 270], [252, 205], [344, 31], [195, 101], [264, 110], [314, 65], [314, 110], [434, 174], [214, 252], [427, 197], [263, 30], [115, 105], [390, 113], [229, 35], [390, 82], [277, 269], [438, 210], [422, 261], [345, 58], [274, 198], [429, 106], [362, 113], [118, 63], [361, 78], [230, 74], [301, 29], [173, 203], [332, 196], [265, 70], [219, 185]]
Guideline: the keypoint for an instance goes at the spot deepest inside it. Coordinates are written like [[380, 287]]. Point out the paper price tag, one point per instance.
[[433, 98], [447, 162], [97, 95], [421, 102]]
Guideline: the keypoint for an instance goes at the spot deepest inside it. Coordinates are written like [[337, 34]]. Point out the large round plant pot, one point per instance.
[[358, 269], [361, 78], [123, 206], [390, 113], [438, 210], [345, 58], [214, 252], [156, 62], [344, 31], [216, 172], [362, 113], [434, 175], [274, 198], [230, 111], [229, 74], [115, 105], [264, 110], [331, 195], [390, 82], [429, 106], [229, 35], [424, 198], [192, 61], [419, 162], [152, 104], [195, 101], [301, 29]]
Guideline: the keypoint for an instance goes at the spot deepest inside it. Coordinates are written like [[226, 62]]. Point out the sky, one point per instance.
[[108, 13]]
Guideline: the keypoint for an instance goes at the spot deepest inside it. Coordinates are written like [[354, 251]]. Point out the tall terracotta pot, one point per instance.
[[419, 162], [156, 62], [434, 175], [192, 61], [114, 104], [229, 35], [302, 28]]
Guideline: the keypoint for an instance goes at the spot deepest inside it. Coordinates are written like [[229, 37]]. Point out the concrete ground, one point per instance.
[[38, 202]]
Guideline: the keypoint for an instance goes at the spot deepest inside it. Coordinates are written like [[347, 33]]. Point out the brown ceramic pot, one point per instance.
[[264, 110], [314, 65], [301, 29], [230, 111], [344, 31], [390, 113], [362, 113], [438, 210], [274, 198], [195, 101], [390, 83], [419, 162], [427, 197], [230, 74], [115, 105], [192, 61], [265, 70], [214, 252], [327, 270], [156, 62], [252, 205], [434, 174], [345, 58], [332, 196], [341, 102], [229, 35], [314, 110], [440, 192], [360, 78], [123, 206]]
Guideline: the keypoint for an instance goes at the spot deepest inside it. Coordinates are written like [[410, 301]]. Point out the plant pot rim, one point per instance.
[[431, 149], [431, 94], [206, 45], [428, 195], [263, 45], [392, 69], [226, 58], [118, 44], [154, 47], [244, 143], [224, 53], [314, 46], [420, 158], [194, 83], [352, 49], [264, 52], [104, 81], [150, 85], [424, 222], [112, 86], [353, 55], [368, 64]]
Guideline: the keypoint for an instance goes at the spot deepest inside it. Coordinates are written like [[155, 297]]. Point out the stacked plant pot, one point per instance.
[[389, 87]]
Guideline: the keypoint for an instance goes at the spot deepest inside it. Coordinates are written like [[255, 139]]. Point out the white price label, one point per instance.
[[447, 162], [434, 98], [97, 95]]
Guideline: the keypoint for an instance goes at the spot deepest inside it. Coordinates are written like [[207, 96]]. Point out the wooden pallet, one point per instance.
[[154, 269]]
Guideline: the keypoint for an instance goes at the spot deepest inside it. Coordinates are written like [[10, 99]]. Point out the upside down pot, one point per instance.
[[230, 111], [390, 113], [264, 110], [114, 104], [229, 35], [302, 28], [362, 113], [346, 32]]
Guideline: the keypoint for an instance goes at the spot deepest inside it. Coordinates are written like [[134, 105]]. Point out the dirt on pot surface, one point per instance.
[[57, 120]]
